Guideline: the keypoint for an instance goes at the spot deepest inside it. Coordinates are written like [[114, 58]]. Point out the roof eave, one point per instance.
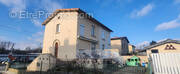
[[76, 10]]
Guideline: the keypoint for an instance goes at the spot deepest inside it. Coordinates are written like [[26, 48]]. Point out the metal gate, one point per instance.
[[165, 63]]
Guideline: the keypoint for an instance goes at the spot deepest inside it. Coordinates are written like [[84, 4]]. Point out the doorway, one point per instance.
[[56, 49]]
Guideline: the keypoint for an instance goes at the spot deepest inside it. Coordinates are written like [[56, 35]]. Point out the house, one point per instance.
[[166, 46], [69, 31], [131, 48], [120, 43]]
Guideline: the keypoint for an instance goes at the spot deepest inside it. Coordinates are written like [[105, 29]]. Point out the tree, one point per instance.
[[6, 47]]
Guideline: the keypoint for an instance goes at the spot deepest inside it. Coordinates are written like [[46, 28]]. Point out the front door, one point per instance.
[[56, 50]]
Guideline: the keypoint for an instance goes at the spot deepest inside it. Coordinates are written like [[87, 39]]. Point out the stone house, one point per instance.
[[120, 43], [68, 31]]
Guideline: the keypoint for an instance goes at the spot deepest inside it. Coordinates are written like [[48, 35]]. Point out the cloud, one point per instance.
[[176, 1], [142, 44], [104, 3], [144, 11], [177, 39], [36, 22], [2, 38], [22, 45], [161, 40], [33, 41], [15, 5], [37, 37], [50, 5], [168, 25]]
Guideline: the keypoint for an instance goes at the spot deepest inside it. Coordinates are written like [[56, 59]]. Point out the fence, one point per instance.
[[165, 63]]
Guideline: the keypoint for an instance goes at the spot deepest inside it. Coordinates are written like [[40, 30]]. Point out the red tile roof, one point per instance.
[[73, 10]]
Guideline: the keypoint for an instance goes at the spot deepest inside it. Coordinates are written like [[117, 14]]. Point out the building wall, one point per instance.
[[66, 38], [116, 44], [124, 49], [131, 48], [106, 41], [122, 45], [161, 48], [82, 44]]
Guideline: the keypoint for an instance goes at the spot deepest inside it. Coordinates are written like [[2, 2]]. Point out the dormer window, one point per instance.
[[57, 28]]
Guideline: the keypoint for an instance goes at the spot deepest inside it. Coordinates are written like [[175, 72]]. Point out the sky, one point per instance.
[[140, 20]]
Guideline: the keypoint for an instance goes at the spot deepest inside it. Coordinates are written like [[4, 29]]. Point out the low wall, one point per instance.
[[43, 62]]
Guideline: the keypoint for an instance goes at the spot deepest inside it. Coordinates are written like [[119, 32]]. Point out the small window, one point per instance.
[[82, 28], [93, 31], [38, 64], [59, 17], [93, 46], [58, 28], [103, 46], [154, 51], [103, 34]]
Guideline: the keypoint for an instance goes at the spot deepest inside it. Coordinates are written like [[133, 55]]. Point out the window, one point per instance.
[[93, 31], [57, 28], [82, 30], [103, 34], [93, 46], [154, 51], [59, 17], [103, 47], [170, 47]]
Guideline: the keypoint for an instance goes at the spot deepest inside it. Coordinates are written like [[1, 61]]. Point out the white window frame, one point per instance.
[[57, 28]]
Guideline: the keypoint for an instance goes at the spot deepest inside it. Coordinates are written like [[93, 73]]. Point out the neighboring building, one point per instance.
[[120, 43], [131, 48], [68, 31], [166, 46]]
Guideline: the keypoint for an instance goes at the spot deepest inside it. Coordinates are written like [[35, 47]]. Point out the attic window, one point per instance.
[[59, 17], [170, 47]]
